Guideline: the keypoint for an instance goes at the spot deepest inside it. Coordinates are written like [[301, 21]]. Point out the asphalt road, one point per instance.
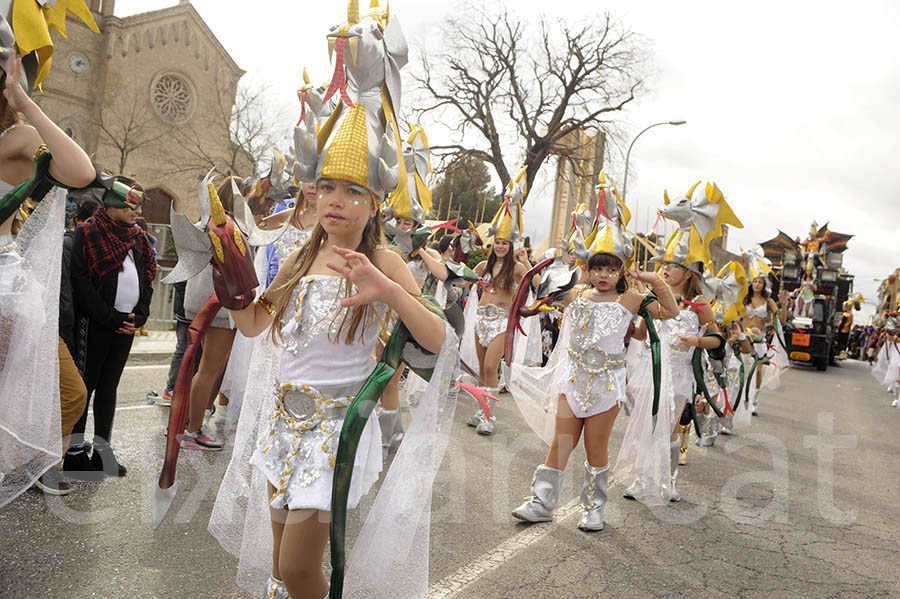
[[770, 512]]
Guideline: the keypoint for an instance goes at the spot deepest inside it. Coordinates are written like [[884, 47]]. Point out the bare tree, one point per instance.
[[128, 125], [246, 119], [501, 81]]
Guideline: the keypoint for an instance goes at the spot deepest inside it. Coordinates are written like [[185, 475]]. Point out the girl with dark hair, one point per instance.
[[758, 318], [587, 368], [501, 274]]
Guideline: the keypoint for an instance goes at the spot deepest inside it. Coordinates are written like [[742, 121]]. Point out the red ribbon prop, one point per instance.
[[480, 395], [303, 108], [339, 79]]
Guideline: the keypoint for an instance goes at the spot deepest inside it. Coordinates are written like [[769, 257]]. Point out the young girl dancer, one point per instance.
[[588, 366], [501, 274], [758, 319], [646, 458], [325, 309]]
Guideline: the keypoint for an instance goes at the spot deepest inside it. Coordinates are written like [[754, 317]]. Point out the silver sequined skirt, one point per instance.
[[490, 323], [296, 448]]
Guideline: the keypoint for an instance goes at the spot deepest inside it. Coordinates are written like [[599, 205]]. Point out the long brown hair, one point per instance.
[[504, 278], [691, 286], [300, 206], [353, 318], [8, 116]]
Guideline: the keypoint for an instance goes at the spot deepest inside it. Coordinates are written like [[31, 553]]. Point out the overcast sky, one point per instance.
[[792, 107]]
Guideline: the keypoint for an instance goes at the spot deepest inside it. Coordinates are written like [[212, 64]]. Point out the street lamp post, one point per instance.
[[628, 157]]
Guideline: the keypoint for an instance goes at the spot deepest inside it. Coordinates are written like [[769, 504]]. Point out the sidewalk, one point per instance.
[[155, 348]]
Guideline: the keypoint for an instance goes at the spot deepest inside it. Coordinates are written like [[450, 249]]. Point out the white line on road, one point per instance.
[[140, 407], [146, 366], [452, 585]]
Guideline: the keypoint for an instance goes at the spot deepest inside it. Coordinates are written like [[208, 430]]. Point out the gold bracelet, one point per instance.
[[267, 305]]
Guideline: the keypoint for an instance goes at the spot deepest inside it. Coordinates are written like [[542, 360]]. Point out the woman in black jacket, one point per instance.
[[112, 273]]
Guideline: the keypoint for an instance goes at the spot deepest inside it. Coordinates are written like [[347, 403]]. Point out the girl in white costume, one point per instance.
[[501, 274], [327, 304], [727, 289], [588, 367], [650, 449], [760, 308]]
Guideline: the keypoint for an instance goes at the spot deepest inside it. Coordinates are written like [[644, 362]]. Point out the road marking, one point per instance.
[[140, 407], [452, 585], [146, 366]]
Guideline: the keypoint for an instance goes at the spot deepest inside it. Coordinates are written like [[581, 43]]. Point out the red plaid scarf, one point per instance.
[[107, 242]]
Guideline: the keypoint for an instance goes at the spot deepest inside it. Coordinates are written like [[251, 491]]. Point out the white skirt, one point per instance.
[[300, 464]]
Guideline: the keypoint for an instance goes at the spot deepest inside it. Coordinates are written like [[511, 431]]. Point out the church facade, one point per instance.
[[150, 98]]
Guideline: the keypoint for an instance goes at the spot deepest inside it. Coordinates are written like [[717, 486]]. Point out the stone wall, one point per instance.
[[160, 79]]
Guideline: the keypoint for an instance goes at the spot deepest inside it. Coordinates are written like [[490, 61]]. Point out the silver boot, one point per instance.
[[670, 491], [539, 506], [726, 424], [391, 429], [639, 488], [593, 497], [275, 589], [708, 428], [485, 426]]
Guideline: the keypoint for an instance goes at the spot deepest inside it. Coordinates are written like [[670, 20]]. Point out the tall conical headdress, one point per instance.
[[700, 215], [26, 23], [607, 234], [507, 224], [414, 200], [360, 141]]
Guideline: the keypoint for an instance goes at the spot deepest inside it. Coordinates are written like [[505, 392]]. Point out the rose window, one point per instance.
[[172, 98]]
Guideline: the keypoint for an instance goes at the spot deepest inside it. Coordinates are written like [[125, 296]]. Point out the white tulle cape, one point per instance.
[[400, 517], [645, 450], [30, 441]]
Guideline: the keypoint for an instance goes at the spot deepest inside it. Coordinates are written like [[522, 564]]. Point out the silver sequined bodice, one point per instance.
[[686, 323], [598, 326], [596, 350], [313, 353], [290, 240]]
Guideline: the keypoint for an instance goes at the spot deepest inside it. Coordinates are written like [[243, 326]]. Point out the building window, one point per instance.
[[172, 98]]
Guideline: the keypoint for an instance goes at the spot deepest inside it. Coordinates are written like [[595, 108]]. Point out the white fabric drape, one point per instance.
[[30, 440]]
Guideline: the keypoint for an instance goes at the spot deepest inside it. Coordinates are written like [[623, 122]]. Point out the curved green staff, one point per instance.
[[778, 332], [655, 351], [700, 382], [737, 351], [750, 376], [354, 423]]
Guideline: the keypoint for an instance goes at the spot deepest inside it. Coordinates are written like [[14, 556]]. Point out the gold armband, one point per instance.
[[267, 305]]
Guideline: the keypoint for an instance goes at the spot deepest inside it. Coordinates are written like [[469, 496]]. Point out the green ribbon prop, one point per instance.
[[700, 383], [655, 351], [40, 174], [354, 423], [737, 351], [777, 333], [750, 376]]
